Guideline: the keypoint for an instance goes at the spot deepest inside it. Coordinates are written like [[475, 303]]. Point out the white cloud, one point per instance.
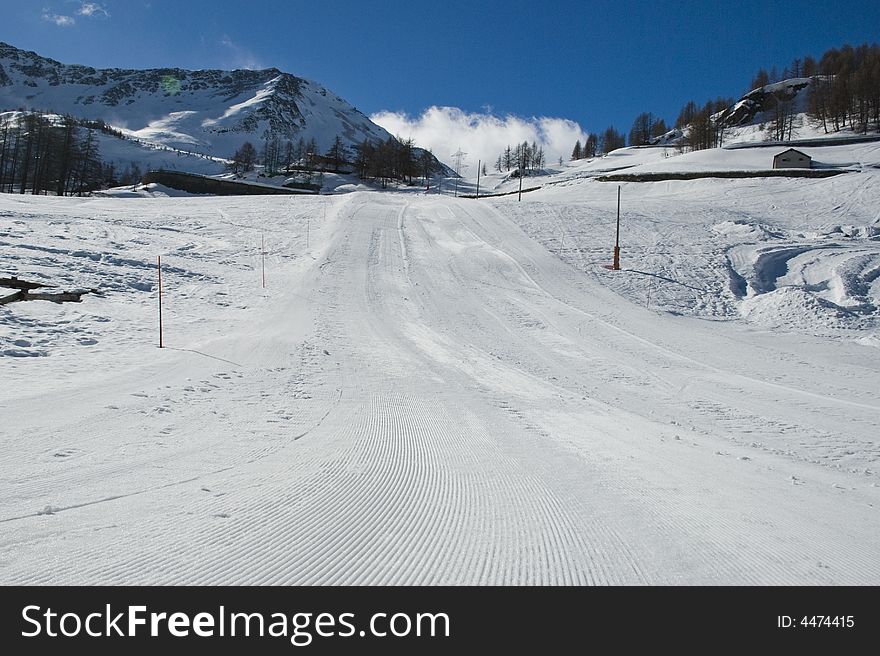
[[60, 21], [85, 9], [92, 9], [482, 135], [240, 57]]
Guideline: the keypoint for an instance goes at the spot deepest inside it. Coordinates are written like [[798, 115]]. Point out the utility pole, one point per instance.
[[478, 178], [159, 264], [616, 265]]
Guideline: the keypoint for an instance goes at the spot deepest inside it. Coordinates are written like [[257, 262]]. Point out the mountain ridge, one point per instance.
[[211, 111]]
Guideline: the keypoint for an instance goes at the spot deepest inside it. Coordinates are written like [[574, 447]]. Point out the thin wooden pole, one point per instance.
[[159, 264], [478, 178], [520, 182], [616, 265], [263, 257]]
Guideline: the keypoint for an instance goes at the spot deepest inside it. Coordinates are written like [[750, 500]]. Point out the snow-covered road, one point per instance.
[[424, 394]]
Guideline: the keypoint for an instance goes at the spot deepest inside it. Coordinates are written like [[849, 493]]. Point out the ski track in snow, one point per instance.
[[436, 391]]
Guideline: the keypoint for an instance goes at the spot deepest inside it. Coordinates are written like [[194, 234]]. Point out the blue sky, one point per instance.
[[595, 63]]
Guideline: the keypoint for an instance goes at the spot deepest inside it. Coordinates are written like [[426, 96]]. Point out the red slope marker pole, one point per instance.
[[159, 264]]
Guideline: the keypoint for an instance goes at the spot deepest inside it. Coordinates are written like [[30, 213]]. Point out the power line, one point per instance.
[[457, 158]]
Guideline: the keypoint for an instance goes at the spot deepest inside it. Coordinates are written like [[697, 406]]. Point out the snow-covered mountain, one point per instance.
[[211, 112]]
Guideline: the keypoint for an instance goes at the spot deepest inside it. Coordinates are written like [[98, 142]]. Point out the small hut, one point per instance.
[[792, 159]]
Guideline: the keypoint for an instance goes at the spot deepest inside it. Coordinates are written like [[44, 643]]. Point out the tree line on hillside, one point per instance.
[[844, 93], [393, 159], [385, 161], [278, 156], [703, 130], [523, 157], [844, 90], [648, 129], [47, 153], [598, 144], [587, 150]]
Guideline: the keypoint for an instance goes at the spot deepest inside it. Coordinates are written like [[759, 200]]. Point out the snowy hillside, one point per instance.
[[758, 105], [446, 390], [209, 111], [751, 119]]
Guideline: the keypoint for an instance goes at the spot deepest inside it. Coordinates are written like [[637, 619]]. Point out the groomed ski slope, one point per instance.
[[430, 390]]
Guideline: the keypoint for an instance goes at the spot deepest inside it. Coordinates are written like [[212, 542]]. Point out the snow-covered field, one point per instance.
[[444, 390]]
